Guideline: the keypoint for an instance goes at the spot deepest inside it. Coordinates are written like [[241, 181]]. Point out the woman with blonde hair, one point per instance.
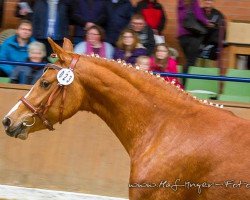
[[128, 47], [28, 74]]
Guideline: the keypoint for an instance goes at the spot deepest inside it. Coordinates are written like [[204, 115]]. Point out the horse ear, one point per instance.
[[67, 45], [59, 51]]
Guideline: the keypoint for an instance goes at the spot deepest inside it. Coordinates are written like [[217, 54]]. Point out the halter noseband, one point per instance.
[[41, 110]]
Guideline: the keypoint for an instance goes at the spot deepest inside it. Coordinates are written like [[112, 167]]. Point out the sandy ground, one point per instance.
[[20, 193]]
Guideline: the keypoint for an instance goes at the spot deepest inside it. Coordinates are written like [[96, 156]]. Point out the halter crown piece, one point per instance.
[[41, 110]]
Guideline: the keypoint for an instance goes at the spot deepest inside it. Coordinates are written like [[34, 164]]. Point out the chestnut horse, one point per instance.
[[180, 148]]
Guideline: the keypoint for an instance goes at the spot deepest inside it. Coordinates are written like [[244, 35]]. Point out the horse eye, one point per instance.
[[45, 84]]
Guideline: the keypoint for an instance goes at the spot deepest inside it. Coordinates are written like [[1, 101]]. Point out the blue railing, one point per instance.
[[206, 77], [22, 63], [179, 75]]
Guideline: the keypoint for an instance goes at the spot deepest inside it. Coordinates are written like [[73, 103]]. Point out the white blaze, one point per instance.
[[18, 104]]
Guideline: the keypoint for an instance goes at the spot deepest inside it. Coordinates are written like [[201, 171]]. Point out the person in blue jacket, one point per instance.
[[15, 48], [119, 13]]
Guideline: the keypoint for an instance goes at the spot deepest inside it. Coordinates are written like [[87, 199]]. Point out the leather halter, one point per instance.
[[41, 110]]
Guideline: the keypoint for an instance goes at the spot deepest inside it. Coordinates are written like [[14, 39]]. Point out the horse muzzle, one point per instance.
[[19, 131]]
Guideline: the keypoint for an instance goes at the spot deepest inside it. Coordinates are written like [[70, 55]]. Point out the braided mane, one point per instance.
[[158, 82]]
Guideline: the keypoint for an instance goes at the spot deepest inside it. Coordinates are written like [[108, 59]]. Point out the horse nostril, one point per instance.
[[6, 122]]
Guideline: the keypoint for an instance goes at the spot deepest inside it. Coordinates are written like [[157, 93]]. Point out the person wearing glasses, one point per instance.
[[15, 48], [143, 31], [94, 43]]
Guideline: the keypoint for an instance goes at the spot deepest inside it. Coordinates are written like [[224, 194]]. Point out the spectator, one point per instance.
[[90, 12], [211, 41], [15, 48], [24, 9], [144, 32], [153, 14], [161, 61], [95, 43], [119, 13], [51, 18], [128, 47], [189, 41], [27, 74], [143, 62]]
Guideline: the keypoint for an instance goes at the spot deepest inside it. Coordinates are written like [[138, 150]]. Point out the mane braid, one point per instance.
[[155, 78]]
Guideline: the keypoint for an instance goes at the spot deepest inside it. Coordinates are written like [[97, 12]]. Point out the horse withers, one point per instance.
[[180, 147]]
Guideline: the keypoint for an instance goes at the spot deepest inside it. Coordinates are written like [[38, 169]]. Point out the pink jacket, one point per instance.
[[171, 67]]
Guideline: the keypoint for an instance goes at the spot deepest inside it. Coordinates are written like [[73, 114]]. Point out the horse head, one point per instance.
[[56, 96]]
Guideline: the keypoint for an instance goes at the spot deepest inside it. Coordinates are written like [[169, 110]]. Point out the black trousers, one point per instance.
[[191, 48]]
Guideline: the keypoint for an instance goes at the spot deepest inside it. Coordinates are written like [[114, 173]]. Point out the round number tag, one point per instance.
[[65, 76]]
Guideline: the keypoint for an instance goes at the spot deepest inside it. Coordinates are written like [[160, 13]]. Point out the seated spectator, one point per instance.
[[94, 43], [28, 74], [89, 12], [143, 62], [144, 32], [153, 14], [15, 48], [211, 40], [161, 61], [119, 13], [24, 9], [129, 47]]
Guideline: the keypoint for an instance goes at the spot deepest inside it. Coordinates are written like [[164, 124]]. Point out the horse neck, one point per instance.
[[126, 99]]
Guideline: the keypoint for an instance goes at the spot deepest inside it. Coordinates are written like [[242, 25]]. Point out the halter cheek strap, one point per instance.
[[74, 61], [64, 89], [42, 109]]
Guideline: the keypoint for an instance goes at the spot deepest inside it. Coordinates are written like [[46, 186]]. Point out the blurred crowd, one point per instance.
[[114, 29]]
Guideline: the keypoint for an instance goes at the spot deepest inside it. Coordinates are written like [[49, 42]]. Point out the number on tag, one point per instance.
[[65, 76]]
